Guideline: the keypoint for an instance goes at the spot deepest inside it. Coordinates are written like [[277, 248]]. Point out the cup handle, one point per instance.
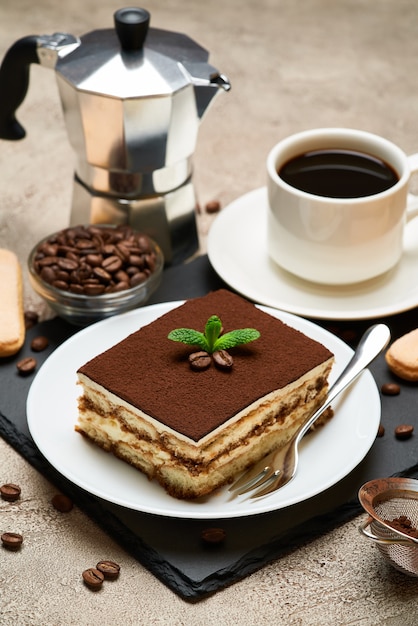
[[413, 162], [412, 201]]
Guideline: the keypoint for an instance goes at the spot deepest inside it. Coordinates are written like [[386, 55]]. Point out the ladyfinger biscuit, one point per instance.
[[12, 324], [402, 356]]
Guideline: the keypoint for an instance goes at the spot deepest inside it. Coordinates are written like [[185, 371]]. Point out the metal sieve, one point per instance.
[[385, 500]]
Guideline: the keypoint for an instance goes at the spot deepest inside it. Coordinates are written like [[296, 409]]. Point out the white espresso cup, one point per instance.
[[338, 240]]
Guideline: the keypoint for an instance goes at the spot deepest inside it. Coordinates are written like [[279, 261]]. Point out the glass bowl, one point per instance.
[[82, 309]]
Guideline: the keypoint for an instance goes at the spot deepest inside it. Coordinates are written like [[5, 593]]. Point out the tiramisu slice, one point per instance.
[[195, 430]]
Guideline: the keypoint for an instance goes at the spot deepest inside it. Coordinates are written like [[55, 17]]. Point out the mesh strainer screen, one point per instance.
[[386, 500], [396, 506], [404, 558]]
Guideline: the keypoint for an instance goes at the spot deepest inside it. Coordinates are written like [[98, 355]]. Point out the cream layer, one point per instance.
[[187, 479], [119, 421]]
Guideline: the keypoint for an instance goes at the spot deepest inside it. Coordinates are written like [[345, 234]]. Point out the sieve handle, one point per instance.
[[363, 528]]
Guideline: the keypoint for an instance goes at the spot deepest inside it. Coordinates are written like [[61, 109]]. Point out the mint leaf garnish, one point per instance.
[[236, 338], [190, 337], [212, 331], [212, 340]]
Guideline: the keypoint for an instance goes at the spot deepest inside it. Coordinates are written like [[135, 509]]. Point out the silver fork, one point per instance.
[[279, 467]]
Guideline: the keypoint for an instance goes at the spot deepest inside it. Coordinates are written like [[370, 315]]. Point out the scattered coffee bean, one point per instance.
[[10, 492], [404, 431], [31, 319], [380, 431], [214, 206], [26, 366], [200, 360], [88, 259], [93, 578], [213, 535], [62, 503], [12, 541], [390, 389], [39, 343], [109, 569], [223, 359]]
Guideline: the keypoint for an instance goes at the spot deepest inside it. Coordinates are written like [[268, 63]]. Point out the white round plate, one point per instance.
[[326, 456], [238, 253]]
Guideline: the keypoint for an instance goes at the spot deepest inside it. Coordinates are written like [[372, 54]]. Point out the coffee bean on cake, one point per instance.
[[200, 361], [223, 359]]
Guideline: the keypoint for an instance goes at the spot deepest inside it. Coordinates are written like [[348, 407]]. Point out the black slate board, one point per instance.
[[171, 548]]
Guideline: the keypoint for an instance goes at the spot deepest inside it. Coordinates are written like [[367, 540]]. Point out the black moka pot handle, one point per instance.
[[14, 83], [131, 25]]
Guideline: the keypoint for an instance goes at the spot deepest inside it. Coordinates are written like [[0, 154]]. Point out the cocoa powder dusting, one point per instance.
[[404, 525], [152, 373]]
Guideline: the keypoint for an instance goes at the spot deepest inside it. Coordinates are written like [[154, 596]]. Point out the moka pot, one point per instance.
[[132, 98]]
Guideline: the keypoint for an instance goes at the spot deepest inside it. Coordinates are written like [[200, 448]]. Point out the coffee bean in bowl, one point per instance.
[[87, 273]]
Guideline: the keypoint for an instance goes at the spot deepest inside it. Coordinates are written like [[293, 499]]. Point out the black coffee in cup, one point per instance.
[[338, 173]]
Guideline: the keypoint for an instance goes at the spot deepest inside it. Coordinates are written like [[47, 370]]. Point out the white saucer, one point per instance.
[[237, 252]]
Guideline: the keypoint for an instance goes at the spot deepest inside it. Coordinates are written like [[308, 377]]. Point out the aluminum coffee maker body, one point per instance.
[[133, 98]]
